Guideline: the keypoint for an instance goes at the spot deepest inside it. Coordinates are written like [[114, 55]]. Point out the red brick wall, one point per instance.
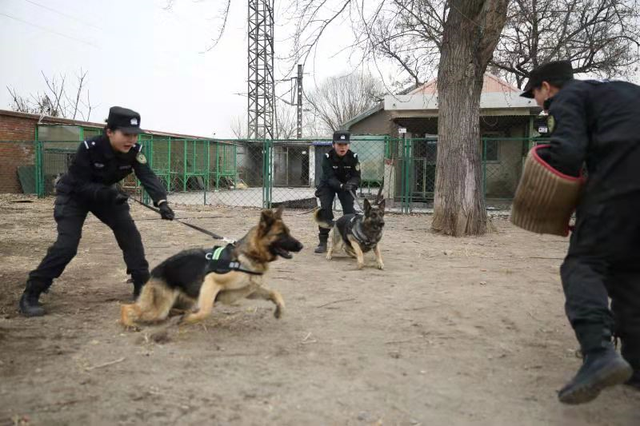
[[17, 128], [13, 155]]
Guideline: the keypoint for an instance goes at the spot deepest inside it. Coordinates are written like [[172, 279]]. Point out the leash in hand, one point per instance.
[[355, 199]]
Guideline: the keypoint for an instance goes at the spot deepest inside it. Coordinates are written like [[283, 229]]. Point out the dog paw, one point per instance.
[[278, 312], [380, 265], [360, 266], [329, 257], [189, 319]]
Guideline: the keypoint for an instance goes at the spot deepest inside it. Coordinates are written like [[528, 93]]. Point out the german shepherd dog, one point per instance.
[[185, 279], [356, 233]]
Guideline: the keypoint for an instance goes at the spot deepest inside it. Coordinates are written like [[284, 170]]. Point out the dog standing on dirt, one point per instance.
[[225, 274], [357, 233]]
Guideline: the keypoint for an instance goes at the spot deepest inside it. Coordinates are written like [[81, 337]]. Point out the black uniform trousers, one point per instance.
[[603, 262], [326, 194], [70, 213]]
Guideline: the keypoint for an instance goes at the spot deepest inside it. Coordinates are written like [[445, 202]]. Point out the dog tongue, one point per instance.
[[283, 253]]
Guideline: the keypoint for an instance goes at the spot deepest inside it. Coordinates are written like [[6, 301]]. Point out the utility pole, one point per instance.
[[299, 106]]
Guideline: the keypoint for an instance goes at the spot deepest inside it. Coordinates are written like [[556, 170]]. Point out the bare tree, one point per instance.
[[238, 127], [286, 123], [339, 99], [598, 36], [56, 100], [471, 31]]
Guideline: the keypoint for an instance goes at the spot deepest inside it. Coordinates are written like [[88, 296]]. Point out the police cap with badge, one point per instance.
[[555, 73], [545, 198], [341, 137], [125, 120]]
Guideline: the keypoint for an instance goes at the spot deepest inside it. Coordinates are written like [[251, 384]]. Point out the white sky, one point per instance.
[[142, 57]]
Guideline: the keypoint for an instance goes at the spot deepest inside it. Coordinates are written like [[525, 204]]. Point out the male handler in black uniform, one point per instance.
[[89, 186], [340, 175], [597, 123]]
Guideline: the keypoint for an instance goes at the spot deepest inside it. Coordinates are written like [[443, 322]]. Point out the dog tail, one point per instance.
[[320, 221]]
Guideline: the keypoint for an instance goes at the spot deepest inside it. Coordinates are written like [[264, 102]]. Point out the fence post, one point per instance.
[[207, 173], [39, 172], [266, 173], [148, 148], [236, 177], [184, 165], [484, 170], [169, 178], [406, 174]]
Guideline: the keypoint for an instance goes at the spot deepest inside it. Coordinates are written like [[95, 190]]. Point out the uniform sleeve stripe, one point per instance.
[[86, 144]]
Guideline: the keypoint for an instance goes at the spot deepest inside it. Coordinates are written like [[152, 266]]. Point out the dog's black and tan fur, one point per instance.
[[183, 278], [357, 233]]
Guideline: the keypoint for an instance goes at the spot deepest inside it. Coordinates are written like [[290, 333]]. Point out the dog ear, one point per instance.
[[266, 221], [381, 205], [367, 206], [278, 212]]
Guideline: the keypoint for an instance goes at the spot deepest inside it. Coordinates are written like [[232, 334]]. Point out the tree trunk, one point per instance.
[[471, 32]]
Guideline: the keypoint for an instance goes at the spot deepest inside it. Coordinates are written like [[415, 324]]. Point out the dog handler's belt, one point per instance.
[[545, 198], [221, 262]]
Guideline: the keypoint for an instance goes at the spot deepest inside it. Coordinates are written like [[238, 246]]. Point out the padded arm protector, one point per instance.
[[545, 198]]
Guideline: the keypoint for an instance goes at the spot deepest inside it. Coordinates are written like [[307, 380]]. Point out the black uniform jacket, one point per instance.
[[96, 167]]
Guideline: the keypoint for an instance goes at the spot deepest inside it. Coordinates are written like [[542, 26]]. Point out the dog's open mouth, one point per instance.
[[282, 252]]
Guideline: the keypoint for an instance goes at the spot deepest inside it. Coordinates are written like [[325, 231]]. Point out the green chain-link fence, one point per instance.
[[267, 173]]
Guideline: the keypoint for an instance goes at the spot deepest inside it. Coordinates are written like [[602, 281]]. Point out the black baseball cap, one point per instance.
[[124, 119], [556, 71], [341, 136]]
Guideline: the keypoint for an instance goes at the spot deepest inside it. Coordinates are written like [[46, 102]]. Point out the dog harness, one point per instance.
[[357, 233], [221, 261]]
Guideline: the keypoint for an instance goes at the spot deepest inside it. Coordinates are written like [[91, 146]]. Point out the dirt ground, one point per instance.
[[453, 331]]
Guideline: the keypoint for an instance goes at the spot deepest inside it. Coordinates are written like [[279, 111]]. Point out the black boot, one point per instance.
[[600, 369], [634, 381], [137, 289], [630, 351], [29, 304], [139, 280], [322, 246]]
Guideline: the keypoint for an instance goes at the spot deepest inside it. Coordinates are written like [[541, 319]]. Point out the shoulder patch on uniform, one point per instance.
[[140, 158], [357, 167], [551, 123], [355, 155]]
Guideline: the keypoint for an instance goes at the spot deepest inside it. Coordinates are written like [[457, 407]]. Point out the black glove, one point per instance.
[[120, 198], [349, 187], [166, 212], [112, 195]]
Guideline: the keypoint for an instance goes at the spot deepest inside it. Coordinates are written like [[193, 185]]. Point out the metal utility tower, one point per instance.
[[261, 105]]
